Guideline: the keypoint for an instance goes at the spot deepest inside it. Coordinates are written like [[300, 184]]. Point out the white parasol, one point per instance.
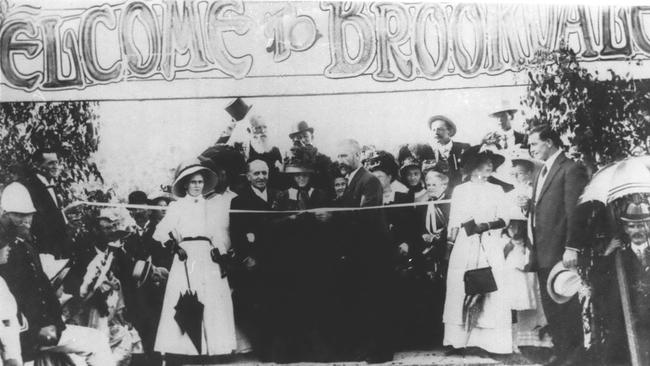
[[618, 179]]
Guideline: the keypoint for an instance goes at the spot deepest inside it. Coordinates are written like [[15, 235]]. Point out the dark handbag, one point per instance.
[[479, 280], [470, 227]]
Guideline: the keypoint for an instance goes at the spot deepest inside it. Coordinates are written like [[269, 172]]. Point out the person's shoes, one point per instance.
[[454, 351]]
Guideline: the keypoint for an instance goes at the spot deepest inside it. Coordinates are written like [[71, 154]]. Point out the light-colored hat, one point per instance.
[[16, 198], [450, 124], [636, 212], [178, 188], [141, 272], [563, 283], [54, 269], [159, 194], [505, 106]]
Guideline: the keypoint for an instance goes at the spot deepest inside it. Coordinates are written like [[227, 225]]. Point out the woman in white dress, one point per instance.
[[197, 225], [523, 284], [488, 325]]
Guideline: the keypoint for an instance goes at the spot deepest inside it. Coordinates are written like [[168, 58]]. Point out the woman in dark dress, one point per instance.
[[296, 263]]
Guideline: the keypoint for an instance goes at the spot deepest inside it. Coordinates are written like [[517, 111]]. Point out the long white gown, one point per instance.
[[192, 217], [483, 202]]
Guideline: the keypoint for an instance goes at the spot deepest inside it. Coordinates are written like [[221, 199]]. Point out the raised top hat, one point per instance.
[[505, 106], [450, 124], [563, 283], [300, 127], [238, 109], [636, 212], [189, 169]]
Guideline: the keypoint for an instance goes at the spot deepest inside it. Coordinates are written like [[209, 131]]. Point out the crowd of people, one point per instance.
[[304, 257]]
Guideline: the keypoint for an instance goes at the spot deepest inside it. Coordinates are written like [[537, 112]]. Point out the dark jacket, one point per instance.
[[35, 297], [259, 225], [48, 228], [553, 214]]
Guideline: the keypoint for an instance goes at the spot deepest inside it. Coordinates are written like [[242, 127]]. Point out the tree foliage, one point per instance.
[[69, 128], [604, 118]]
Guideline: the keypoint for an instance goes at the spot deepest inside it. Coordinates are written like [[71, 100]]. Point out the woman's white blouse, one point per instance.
[[483, 202], [195, 216]]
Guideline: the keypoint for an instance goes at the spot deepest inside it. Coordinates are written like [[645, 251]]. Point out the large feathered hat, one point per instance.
[[301, 159]]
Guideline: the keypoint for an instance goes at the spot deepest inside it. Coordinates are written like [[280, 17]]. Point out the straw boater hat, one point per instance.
[[141, 272], [188, 169], [563, 283], [505, 106], [450, 124]]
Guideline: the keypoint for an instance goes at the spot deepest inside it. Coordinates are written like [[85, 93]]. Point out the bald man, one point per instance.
[[368, 256], [251, 237]]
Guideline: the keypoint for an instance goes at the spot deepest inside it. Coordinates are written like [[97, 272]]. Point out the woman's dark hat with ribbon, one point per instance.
[[301, 159], [476, 155], [383, 161], [238, 109]]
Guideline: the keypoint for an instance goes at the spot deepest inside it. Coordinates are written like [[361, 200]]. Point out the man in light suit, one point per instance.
[[368, 252], [551, 216]]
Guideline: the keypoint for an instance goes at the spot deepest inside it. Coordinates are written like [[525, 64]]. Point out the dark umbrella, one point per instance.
[[189, 314]]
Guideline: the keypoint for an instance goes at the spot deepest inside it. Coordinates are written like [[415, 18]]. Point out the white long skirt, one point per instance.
[[493, 332], [219, 335]]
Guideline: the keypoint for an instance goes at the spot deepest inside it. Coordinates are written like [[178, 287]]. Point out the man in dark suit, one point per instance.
[[49, 227], [551, 216], [447, 153], [369, 254], [252, 241]]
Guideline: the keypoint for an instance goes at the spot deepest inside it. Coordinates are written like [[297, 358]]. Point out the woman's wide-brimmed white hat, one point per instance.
[[188, 169], [563, 283]]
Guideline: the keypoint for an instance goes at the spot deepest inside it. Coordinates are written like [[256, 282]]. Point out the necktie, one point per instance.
[[544, 171], [303, 197]]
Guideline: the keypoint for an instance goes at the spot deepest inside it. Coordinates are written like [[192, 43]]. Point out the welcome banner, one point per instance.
[[222, 48]]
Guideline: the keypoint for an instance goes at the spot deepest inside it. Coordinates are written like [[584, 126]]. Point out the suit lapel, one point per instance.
[[349, 190], [551, 174]]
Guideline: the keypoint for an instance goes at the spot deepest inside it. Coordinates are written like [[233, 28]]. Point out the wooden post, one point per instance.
[[624, 290]]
